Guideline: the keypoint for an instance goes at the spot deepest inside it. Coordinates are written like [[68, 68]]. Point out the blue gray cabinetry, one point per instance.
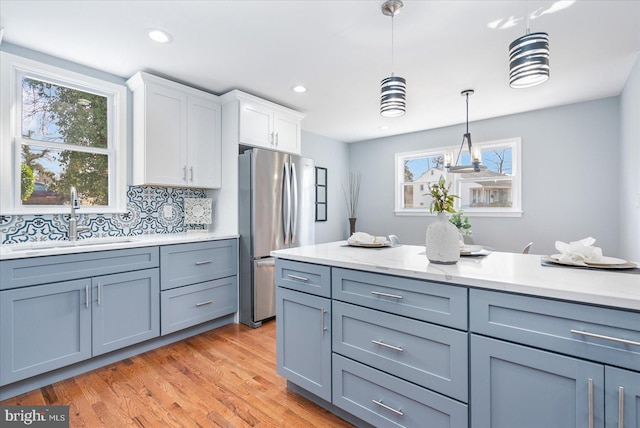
[[198, 282], [539, 362], [47, 325], [378, 347], [412, 352], [303, 326]]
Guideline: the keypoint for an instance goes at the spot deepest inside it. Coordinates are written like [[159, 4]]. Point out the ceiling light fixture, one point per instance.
[[393, 89], [476, 154], [529, 58], [299, 89], [159, 35]]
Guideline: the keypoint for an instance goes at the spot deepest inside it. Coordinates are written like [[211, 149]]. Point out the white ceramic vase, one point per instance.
[[443, 241]]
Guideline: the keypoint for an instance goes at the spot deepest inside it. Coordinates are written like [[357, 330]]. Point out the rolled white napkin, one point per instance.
[[580, 252], [365, 238]]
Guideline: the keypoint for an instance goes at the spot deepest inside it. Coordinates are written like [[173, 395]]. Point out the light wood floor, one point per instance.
[[225, 377]]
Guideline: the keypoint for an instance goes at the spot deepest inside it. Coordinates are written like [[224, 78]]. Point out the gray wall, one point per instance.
[[630, 166], [333, 155], [570, 162]]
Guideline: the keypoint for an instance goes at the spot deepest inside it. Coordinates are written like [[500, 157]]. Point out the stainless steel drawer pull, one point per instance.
[[590, 403], [266, 263], [600, 336], [208, 302], [386, 345], [391, 409], [98, 287], [203, 262], [299, 278], [378, 293], [86, 296], [621, 407]]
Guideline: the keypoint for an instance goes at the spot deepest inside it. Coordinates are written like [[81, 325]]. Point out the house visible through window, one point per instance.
[[495, 191], [68, 130]]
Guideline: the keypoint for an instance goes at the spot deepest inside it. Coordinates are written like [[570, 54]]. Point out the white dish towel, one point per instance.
[[580, 252], [365, 238]]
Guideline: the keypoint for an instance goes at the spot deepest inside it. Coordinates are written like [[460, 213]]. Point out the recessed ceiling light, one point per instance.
[[299, 89], [383, 127], [159, 35]]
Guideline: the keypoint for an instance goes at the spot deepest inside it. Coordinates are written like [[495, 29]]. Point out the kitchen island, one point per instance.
[[385, 337]]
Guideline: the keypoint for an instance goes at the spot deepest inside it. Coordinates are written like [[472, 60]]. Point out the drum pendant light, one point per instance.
[[393, 89], [529, 58]]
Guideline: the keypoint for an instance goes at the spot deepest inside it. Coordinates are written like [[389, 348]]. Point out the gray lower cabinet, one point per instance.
[[44, 328], [198, 283], [551, 363], [126, 309], [303, 340], [517, 386], [50, 326], [622, 398]]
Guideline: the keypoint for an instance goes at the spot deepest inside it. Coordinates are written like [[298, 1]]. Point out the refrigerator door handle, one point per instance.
[[296, 207], [286, 203]]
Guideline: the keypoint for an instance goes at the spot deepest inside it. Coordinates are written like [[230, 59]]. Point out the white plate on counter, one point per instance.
[[606, 263], [372, 245]]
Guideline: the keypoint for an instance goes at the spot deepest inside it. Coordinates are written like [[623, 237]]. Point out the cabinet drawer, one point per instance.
[[43, 270], [424, 300], [187, 306], [186, 264], [432, 356], [594, 333], [386, 401], [310, 278]]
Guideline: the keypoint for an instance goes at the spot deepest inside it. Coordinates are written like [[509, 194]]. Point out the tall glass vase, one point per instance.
[[352, 225], [442, 241]]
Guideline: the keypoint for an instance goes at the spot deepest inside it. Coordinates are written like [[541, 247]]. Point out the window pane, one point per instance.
[[422, 169], [47, 176], [486, 192], [498, 160], [60, 114]]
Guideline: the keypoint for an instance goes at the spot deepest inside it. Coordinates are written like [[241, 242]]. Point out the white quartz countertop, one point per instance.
[[48, 248], [510, 272]]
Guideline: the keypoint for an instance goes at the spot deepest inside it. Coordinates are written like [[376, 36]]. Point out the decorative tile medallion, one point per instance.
[[149, 210]]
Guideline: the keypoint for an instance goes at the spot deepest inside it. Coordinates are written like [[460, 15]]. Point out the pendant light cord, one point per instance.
[[526, 16], [392, 43]]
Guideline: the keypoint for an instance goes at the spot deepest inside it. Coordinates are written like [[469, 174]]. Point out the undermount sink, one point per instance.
[[50, 245]]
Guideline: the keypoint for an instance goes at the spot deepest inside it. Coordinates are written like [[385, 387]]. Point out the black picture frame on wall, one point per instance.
[[321, 194]]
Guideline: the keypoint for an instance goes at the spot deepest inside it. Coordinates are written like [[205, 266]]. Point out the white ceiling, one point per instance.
[[341, 50]]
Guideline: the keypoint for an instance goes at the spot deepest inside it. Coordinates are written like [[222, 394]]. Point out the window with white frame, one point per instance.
[[495, 191], [60, 129]]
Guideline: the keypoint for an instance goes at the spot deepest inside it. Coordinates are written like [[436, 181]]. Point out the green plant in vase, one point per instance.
[[461, 222]]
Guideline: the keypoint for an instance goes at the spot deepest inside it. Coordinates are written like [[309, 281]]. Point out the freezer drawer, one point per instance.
[[264, 289]]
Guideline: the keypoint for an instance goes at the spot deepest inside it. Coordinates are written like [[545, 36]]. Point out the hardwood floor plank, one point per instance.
[[222, 378]]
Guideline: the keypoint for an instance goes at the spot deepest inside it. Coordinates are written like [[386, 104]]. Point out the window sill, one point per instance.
[[465, 213]]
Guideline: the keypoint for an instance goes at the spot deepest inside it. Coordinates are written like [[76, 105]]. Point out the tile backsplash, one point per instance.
[[149, 210]]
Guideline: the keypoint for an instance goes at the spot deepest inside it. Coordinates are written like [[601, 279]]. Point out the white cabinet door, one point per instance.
[[203, 148], [256, 125], [163, 160], [176, 134], [287, 132]]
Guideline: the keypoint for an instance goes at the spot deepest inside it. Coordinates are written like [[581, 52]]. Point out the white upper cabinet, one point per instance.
[[261, 123], [176, 134]]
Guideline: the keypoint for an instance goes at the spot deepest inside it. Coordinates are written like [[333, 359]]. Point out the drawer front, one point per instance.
[[423, 300], [594, 333], [42, 270], [306, 277], [386, 401], [432, 356], [187, 306], [186, 264]]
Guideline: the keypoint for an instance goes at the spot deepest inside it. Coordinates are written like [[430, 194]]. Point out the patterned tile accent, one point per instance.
[[149, 210]]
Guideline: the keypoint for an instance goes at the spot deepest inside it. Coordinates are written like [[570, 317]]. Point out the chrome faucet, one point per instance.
[[73, 219]]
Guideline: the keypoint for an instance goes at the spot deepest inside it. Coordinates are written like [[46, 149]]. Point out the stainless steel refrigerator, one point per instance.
[[276, 210]]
